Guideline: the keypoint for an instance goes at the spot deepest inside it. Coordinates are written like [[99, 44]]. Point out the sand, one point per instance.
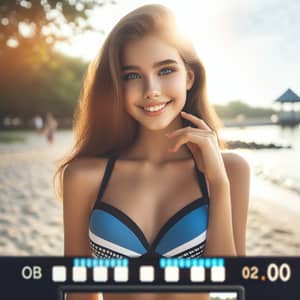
[[272, 229], [31, 218]]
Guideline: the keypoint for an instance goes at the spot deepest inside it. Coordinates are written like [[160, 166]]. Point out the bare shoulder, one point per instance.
[[235, 164], [238, 172], [81, 181], [81, 167], [83, 176]]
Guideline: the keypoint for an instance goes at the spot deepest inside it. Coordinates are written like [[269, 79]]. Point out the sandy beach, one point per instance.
[[31, 218]]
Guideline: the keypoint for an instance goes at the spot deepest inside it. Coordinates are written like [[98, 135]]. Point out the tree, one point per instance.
[[42, 23], [30, 69], [234, 108]]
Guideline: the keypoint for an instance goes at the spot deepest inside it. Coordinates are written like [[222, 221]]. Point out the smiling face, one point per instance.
[[155, 81]]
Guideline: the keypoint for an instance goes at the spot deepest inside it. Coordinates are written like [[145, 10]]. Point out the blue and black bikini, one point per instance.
[[113, 234]]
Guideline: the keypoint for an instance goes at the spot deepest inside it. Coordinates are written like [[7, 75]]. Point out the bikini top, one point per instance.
[[113, 234]]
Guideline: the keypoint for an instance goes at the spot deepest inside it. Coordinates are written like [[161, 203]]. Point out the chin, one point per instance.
[[156, 125]]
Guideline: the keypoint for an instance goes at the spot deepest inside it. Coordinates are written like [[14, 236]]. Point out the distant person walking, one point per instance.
[[38, 123], [50, 127]]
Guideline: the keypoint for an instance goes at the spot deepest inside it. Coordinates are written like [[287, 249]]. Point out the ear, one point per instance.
[[190, 77]]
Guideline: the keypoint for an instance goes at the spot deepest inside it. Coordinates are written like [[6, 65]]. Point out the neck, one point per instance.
[[153, 145]]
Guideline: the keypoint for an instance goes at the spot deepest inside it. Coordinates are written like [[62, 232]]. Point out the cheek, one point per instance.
[[132, 93], [175, 86], [134, 88]]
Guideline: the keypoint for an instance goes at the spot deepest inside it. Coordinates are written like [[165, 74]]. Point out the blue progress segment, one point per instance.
[[163, 262], [100, 262], [191, 262]]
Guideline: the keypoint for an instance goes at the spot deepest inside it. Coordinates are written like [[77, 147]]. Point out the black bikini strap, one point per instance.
[[107, 173], [202, 182]]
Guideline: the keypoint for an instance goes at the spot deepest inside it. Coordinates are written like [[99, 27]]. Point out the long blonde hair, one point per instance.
[[102, 127]]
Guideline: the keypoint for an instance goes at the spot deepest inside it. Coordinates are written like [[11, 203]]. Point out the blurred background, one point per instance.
[[251, 55]]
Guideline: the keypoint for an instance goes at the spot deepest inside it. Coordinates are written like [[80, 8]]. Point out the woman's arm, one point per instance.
[[238, 172], [203, 144], [79, 192], [219, 238], [228, 209]]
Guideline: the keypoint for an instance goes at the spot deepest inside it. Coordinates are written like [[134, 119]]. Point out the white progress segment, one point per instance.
[[171, 274], [59, 273], [100, 274], [146, 273], [79, 274], [197, 274], [217, 274], [121, 274]]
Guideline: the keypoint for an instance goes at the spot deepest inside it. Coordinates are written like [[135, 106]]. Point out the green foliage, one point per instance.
[[33, 77], [234, 108], [54, 86]]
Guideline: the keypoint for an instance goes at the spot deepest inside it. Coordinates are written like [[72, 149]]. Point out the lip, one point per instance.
[[155, 113], [154, 104]]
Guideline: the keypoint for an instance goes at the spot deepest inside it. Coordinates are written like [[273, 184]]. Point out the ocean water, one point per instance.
[[275, 172]]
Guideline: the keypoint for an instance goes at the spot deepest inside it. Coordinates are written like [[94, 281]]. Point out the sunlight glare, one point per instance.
[[207, 24]]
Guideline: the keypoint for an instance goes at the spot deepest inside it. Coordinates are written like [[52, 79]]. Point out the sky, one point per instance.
[[250, 48]]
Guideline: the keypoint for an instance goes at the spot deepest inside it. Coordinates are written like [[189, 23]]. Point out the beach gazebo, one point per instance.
[[291, 116]]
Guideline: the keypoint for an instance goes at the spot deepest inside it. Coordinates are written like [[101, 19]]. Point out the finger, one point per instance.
[[186, 130], [195, 120], [189, 137]]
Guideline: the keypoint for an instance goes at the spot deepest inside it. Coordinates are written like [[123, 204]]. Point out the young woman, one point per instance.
[[146, 176]]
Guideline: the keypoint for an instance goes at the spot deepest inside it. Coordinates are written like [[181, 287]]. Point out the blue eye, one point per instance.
[[131, 76], [166, 71]]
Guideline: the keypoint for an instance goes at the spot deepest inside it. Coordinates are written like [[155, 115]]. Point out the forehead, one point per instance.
[[148, 50]]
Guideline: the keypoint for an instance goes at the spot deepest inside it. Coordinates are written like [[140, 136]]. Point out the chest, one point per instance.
[[151, 196]]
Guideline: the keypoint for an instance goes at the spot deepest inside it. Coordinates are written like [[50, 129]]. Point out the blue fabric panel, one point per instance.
[[113, 230], [186, 229]]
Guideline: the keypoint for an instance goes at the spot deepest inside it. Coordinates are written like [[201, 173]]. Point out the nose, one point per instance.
[[152, 89]]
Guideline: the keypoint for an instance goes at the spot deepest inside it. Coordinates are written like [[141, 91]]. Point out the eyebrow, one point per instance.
[[155, 65]]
